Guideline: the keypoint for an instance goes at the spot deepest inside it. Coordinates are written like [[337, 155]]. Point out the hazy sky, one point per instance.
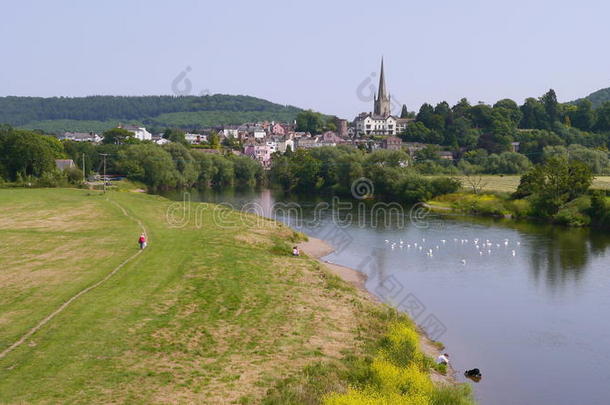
[[309, 53]]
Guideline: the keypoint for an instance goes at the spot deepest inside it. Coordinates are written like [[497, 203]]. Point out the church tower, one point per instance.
[[382, 101]]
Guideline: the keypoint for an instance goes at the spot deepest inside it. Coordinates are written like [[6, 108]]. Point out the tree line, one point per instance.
[[483, 136], [29, 157], [338, 169]]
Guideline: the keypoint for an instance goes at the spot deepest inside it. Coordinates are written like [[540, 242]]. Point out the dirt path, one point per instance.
[[81, 293]]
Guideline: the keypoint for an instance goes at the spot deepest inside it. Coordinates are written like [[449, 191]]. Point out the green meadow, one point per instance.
[[205, 314], [509, 183]]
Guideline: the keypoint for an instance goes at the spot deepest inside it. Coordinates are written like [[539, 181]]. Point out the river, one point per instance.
[[527, 304]]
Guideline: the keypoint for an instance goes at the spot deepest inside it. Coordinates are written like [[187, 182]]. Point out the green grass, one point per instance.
[[208, 315], [509, 183]]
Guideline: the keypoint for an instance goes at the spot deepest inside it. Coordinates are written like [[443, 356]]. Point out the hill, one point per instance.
[[97, 113], [597, 98]]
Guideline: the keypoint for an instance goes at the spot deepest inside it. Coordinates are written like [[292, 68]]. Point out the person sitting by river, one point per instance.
[[443, 359], [295, 251]]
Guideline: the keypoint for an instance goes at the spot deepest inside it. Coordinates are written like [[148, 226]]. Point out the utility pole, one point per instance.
[[104, 177], [84, 177]]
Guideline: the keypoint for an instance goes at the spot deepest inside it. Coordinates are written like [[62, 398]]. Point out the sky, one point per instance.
[[322, 55]]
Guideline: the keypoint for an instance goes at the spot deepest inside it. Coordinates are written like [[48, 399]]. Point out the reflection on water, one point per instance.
[[503, 296]]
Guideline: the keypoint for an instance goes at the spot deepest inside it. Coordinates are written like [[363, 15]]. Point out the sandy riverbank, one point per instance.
[[318, 248]]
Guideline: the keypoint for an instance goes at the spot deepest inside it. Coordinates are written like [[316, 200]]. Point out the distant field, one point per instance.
[[510, 183]]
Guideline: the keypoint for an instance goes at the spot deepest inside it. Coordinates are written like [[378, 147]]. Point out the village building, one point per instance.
[[64, 164], [259, 152], [138, 132], [195, 139], [391, 143], [80, 137]]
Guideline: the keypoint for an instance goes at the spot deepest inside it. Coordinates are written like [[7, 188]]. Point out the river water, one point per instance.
[[527, 304]]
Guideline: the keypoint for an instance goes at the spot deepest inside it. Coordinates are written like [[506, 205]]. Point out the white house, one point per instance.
[[159, 140], [229, 132], [138, 132], [195, 138], [80, 137], [371, 124]]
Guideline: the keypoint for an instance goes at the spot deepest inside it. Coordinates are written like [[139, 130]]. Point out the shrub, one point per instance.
[[444, 185], [52, 178], [357, 397], [74, 175], [574, 212]]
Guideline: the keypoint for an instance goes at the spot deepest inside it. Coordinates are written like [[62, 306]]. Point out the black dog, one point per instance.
[[474, 373]]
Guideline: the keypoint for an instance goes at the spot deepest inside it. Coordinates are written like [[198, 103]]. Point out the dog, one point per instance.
[[474, 373]]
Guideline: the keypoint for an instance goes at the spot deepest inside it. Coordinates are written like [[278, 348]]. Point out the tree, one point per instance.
[[464, 134], [429, 153], [27, 154], [214, 140], [404, 113], [150, 164], [602, 122], [509, 110], [534, 115], [118, 136], [507, 163], [175, 135], [551, 106], [553, 184], [461, 109], [481, 115], [583, 117], [475, 182], [418, 132], [306, 170], [310, 121], [183, 163], [248, 172], [425, 113]]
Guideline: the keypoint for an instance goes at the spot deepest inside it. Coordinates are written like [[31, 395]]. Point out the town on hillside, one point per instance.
[[378, 129]]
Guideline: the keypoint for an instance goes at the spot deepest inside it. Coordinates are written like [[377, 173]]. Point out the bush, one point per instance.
[[53, 178], [399, 375], [444, 185], [74, 175], [518, 208], [574, 213]]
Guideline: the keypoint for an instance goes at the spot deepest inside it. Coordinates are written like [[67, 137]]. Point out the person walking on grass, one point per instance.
[[142, 241]]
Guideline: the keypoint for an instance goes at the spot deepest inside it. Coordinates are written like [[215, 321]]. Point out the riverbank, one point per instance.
[[575, 213], [318, 248]]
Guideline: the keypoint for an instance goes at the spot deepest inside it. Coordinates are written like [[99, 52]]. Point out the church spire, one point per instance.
[[382, 101], [382, 91]]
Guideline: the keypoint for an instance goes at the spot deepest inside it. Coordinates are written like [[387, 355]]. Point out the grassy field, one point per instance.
[[208, 313], [510, 183], [211, 315]]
